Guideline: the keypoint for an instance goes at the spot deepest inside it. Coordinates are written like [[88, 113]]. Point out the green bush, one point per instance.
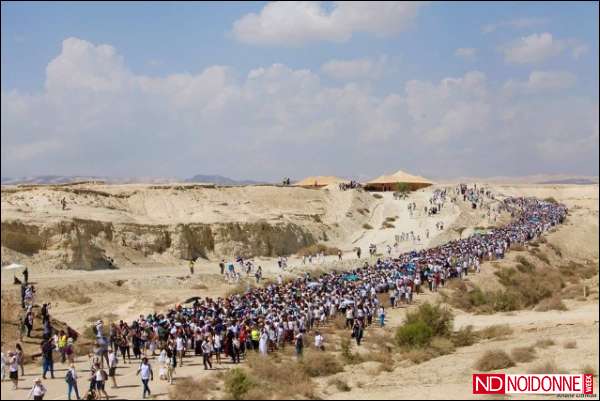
[[415, 334], [438, 318], [237, 383]]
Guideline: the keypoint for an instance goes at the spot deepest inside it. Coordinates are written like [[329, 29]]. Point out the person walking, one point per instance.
[[20, 358], [13, 369], [47, 347], [357, 332], [146, 374], [207, 350], [71, 379], [100, 378], [299, 344], [112, 367], [38, 390]]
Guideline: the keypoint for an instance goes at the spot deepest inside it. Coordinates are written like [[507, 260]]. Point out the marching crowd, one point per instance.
[[279, 315]]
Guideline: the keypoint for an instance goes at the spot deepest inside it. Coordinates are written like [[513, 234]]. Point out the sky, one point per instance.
[[265, 90]]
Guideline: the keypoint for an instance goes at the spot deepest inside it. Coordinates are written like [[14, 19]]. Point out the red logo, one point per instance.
[[488, 383], [500, 383]]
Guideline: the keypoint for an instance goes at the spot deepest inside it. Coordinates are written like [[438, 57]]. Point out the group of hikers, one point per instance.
[[266, 319]]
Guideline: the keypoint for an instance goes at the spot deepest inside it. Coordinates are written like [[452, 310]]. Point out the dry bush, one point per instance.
[[277, 376], [339, 384], [523, 354], [555, 249], [442, 346], [384, 358], [367, 226], [464, 337], [552, 303], [525, 265], [551, 199], [547, 367], [418, 355], [192, 389], [575, 272], [493, 360], [391, 218], [317, 248], [318, 363], [377, 196], [496, 332], [517, 248], [570, 344], [545, 343], [199, 286], [386, 224], [537, 252], [531, 288], [347, 355]]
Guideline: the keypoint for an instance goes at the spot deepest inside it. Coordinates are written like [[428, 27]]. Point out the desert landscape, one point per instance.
[[118, 251]]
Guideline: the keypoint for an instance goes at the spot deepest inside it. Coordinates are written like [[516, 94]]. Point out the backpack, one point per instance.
[[69, 376]]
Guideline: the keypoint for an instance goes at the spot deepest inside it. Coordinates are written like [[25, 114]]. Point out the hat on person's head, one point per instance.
[[38, 380], [70, 340], [99, 322]]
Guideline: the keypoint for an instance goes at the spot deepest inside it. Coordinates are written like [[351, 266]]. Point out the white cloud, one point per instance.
[[541, 81], [516, 23], [292, 23], [533, 49], [537, 48], [363, 68], [95, 116], [467, 53]]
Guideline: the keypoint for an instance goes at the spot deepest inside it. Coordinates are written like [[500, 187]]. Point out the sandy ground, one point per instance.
[[152, 286]]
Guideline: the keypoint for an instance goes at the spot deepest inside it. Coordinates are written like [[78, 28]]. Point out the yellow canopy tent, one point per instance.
[[319, 181], [388, 182]]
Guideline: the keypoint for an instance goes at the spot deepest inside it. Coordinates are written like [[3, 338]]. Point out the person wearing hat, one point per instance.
[[38, 390]]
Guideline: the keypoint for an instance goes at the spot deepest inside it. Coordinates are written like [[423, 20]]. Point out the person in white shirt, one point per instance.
[[112, 367], [38, 390], [13, 369], [146, 374], [319, 341], [180, 348]]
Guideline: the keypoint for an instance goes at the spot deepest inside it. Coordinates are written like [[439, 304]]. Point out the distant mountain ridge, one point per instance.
[[65, 179], [221, 180]]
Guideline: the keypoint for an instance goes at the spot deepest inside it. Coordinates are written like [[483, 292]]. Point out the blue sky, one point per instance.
[[385, 72]]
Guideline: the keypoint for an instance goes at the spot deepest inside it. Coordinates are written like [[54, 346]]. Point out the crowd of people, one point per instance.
[[265, 319]]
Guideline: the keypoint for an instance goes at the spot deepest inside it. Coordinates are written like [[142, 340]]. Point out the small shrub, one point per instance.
[[493, 360], [570, 344], [340, 385], [237, 383], [377, 196], [553, 303], [387, 225], [438, 318], [418, 355], [189, 389], [496, 331], [317, 364], [442, 346], [545, 343], [367, 226], [464, 337], [551, 199], [547, 367], [523, 354], [347, 355], [416, 334], [199, 286]]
